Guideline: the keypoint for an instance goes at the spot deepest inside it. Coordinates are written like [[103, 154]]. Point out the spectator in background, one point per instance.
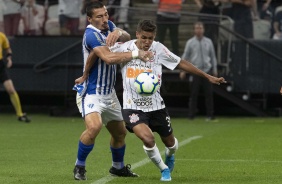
[[264, 8], [12, 16], [199, 51], [120, 15], [277, 25], [168, 18], [5, 78], [2, 8], [211, 23], [28, 13], [281, 90], [123, 14], [241, 13], [69, 14]]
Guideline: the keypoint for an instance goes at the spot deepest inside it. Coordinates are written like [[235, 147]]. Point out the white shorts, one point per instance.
[[107, 105]]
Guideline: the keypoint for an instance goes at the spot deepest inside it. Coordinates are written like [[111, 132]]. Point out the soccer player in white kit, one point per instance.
[[145, 115], [96, 99]]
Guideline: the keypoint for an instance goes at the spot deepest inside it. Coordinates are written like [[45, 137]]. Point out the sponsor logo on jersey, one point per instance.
[[134, 72], [143, 102], [133, 118]]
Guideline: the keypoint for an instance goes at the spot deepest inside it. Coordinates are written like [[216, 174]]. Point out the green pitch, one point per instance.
[[228, 151]]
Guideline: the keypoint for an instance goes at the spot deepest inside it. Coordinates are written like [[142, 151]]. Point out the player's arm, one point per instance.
[[110, 58], [117, 34], [186, 55], [188, 67], [8, 52], [88, 65]]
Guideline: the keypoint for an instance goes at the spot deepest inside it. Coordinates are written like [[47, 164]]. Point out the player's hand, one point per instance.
[[113, 37], [281, 91], [216, 80], [145, 55], [80, 80]]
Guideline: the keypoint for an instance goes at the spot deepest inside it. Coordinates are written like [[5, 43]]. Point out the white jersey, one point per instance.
[[162, 56]]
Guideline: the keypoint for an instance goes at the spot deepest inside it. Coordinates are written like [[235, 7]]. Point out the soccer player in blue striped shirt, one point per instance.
[[96, 97]]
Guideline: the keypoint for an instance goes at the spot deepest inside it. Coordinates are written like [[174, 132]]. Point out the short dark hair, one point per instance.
[[93, 5], [147, 25]]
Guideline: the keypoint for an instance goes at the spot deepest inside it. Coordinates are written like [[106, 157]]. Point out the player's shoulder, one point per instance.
[[122, 46], [3, 37], [207, 39], [156, 45]]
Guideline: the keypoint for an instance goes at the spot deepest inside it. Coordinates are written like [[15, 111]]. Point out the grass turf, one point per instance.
[[227, 151]]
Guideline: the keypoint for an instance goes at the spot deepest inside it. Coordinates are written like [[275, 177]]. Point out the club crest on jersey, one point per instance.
[[133, 118], [152, 59]]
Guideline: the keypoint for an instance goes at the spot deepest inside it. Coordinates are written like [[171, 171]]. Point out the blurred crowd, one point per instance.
[[65, 17], [49, 17]]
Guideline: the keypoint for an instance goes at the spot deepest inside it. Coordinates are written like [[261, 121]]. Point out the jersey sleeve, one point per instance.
[[167, 58], [112, 26], [117, 47], [5, 41], [93, 40]]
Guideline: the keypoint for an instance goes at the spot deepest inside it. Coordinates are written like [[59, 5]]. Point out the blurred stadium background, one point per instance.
[[46, 65]]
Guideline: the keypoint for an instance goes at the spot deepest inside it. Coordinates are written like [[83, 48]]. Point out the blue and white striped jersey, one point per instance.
[[102, 77]]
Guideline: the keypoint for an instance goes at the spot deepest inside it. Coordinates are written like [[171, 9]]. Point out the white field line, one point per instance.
[[230, 160], [145, 161]]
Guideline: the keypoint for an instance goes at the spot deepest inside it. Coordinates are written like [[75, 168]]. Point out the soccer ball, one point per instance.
[[146, 83]]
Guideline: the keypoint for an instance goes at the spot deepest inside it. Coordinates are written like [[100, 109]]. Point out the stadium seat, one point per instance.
[[39, 18], [262, 29]]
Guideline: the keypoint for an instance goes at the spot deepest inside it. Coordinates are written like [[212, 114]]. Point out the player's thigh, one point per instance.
[[89, 104], [112, 109], [93, 122], [134, 117], [143, 132]]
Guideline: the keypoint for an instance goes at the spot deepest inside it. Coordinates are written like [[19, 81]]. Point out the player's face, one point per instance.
[[199, 30], [100, 19], [145, 39]]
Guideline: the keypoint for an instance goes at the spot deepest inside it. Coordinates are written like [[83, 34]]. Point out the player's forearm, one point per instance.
[[117, 58], [190, 68], [89, 63], [124, 36]]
